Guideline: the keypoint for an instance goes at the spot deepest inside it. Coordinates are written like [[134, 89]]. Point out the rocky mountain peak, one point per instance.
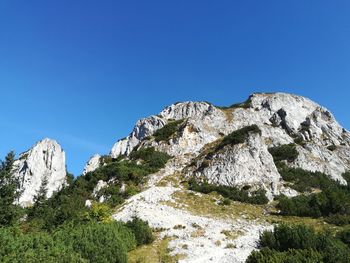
[[248, 149], [282, 119], [45, 160]]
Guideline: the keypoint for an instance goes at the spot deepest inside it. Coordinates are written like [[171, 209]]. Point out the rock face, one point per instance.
[[194, 133], [92, 164], [46, 159], [282, 118]]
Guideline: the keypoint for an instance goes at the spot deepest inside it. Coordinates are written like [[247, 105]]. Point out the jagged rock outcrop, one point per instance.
[[248, 164], [202, 126], [92, 164], [45, 160], [324, 145]]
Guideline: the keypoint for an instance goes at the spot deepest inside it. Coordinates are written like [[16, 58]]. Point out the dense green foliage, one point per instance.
[[284, 152], [230, 192], [141, 230], [91, 242], [304, 181], [267, 255], [344, 236], [238, 136], [332, 202], [98, 242], [17, 247], [299, 244], [329, 202], [151, 157], [168, 130], [9, 212]]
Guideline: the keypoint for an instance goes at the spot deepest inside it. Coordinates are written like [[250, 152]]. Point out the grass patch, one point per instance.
[[173, 180], [156, 252], [206, 205]]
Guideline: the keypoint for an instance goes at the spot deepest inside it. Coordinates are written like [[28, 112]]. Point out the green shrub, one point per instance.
[[344, 236], [141, 230], [225, 201], [332, 148], [245, 105], [151, 157], [34, 247], [304, 180], [267, 255], [99, 212], [238, 136], [233, 193], [98, 242], [285, 237], [286, 152], [168, 130], [299, 244], [299, 140], [338, 219], [330, 202]]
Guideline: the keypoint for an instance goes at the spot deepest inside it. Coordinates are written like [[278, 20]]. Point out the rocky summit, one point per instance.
[[322, 144], [247, 147], [44, 162]]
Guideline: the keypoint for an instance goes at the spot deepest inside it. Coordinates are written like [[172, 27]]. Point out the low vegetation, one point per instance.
[[230, 192], [245, 105], [300, 244], [150, 157], [286, 152], [168, 130], [304, 181], [238, 136], [63, 229], [321, 196]]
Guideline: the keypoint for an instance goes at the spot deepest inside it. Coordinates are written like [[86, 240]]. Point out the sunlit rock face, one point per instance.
[[46, 159], [92, 164], [282, 118]]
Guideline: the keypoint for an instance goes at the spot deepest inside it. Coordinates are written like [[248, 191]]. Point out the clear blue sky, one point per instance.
[[82, 72]]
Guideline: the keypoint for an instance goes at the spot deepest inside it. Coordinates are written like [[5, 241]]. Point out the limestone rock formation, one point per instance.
[[193, 134], [45, 160], [282, 118], [92, 164]]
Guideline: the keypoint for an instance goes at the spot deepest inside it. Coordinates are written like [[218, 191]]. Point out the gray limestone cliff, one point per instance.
[[322, 143], [45, 161]]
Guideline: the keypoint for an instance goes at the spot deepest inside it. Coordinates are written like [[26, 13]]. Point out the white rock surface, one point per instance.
[[179, 224], [281, 117], [243, 164], [46, 159], [204, 123], [92, 164]]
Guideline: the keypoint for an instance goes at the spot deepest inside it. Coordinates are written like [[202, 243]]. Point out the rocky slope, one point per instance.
[[45, 161], [194, 134], [282, 119]]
